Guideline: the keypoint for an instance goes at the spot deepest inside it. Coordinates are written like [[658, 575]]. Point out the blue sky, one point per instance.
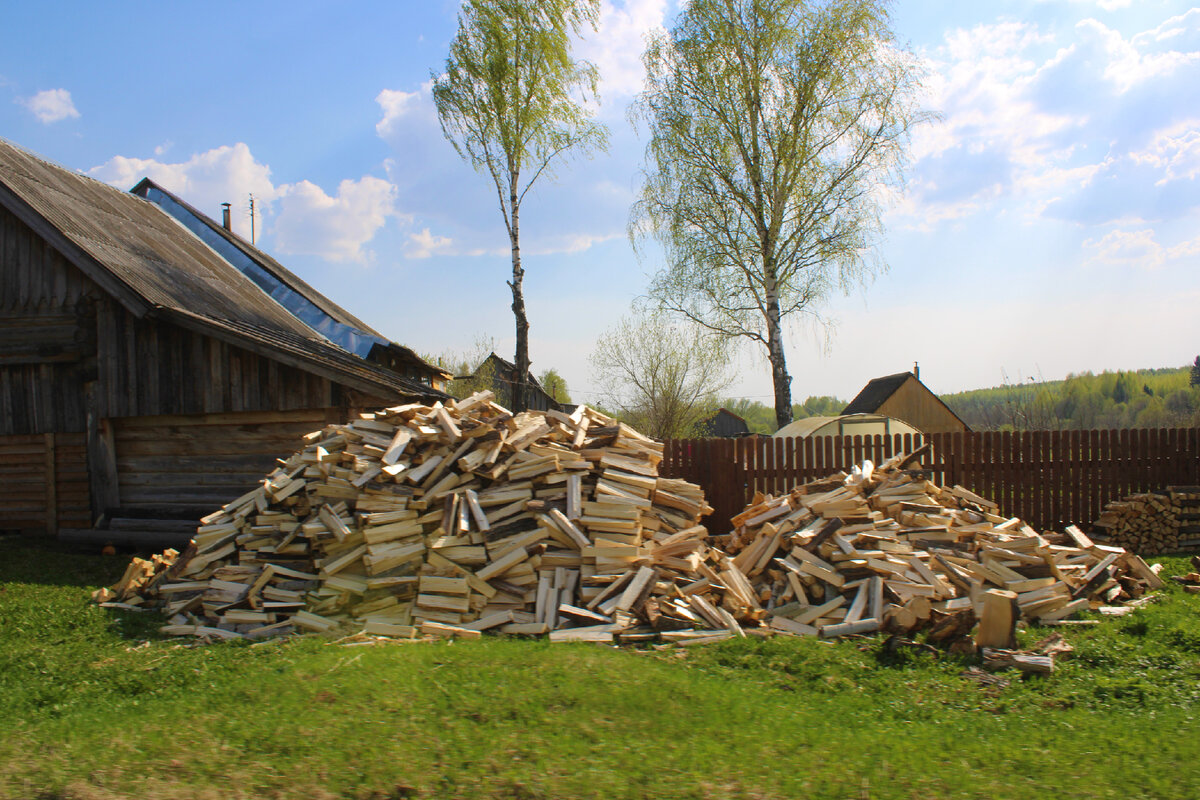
[[1049, 223]]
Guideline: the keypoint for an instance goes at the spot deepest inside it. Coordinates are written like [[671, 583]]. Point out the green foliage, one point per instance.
[[662, 377], [471, 370], [507, 101], [772, 124], [96, 705], [1085, 402], [823, 406], [761, 418], [555, 385]]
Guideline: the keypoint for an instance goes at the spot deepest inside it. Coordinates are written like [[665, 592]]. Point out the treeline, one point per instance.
[[1146, 398], [761, 417]]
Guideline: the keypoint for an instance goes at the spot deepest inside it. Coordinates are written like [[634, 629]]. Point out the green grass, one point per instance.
[[94, 705]]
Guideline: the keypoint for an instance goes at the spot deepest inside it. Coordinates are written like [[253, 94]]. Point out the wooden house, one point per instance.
[[724, 424], [502, 376], [904, 397], [152, 364]]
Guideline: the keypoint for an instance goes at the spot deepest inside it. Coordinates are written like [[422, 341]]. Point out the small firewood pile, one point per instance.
[[887, 549], [1153, 522], [455, 519]]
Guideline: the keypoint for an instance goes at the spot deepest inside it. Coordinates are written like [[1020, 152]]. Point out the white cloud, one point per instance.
[[337, 228], [1175, 151], [424, 244], [566, 243], [1127, 65], [1074, 122], [994, 139], [226, 174], [1106, 5], [396, 106], [1140, 248], [1173, 28], [617, 44], [52, 105], [301, 217]]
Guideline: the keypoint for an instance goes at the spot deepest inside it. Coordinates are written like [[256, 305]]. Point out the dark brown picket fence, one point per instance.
[[1050, 479]]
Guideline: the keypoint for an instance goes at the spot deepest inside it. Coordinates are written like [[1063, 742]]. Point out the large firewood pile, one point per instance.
[[455, 519], [447, 520]]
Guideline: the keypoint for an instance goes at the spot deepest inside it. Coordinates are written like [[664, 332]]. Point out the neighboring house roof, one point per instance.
[[504, 377], [876, 393], [878, 390], [729, 413], [149, 262], [712, 425], [510, 369]]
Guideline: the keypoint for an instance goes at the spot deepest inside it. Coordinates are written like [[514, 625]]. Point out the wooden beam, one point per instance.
[[51, 487], [103, 485]]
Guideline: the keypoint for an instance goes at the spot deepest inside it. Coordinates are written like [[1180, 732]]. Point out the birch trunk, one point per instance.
[[520, 388]]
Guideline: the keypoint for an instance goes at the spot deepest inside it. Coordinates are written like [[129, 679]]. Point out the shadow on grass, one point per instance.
[[25, 559]]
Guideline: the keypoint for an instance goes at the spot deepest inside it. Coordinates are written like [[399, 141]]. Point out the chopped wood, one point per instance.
[[449, 520]]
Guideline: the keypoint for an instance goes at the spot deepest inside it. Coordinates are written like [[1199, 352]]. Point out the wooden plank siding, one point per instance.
[[44, 482], [46, 334], [182, 464], [1050, 479], [150, 368], [35, 275]]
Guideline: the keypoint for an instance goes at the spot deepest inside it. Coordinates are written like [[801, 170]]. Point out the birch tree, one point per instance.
[[773, 125], [509, 100]]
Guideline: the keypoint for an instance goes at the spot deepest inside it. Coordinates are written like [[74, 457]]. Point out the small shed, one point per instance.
[[503, 375], [845, 425], [724, 424], [903, 396], [152, 364]]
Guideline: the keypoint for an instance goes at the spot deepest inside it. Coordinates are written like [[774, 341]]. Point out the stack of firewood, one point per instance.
[[451, 520], [1153, 522], [887, 549], [448, 520]]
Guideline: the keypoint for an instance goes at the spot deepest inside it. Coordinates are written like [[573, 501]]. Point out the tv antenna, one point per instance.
[[252, 236]]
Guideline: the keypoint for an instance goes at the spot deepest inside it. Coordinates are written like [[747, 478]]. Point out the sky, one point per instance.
[[1049, 224]]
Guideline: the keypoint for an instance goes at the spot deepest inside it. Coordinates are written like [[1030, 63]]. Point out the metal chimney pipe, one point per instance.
[[225, 217], [916, 370]]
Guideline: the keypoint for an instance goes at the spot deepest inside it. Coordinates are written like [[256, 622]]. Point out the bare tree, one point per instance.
[[505, 101], [773, 126], [660, 375]]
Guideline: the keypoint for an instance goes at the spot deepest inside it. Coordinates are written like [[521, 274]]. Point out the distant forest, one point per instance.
[[1144, 398]]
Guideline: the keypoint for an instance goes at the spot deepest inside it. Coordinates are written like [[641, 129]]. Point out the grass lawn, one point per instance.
[[94, 705]]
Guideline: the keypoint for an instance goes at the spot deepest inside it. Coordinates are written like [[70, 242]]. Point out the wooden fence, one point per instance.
[[1050, 479], [44, 482]]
